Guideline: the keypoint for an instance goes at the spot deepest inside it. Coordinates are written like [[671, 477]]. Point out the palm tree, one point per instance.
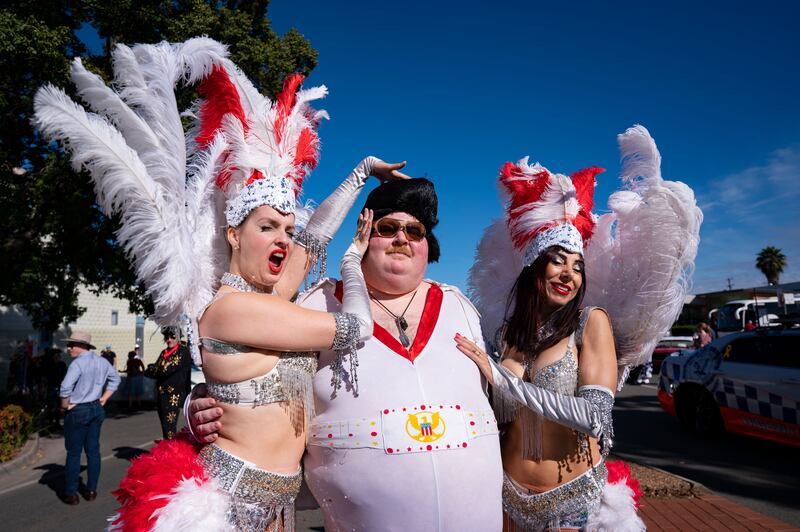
[[771, 262]]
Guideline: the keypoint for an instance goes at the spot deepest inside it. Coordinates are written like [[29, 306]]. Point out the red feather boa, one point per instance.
[[152, 474], [620, 472]]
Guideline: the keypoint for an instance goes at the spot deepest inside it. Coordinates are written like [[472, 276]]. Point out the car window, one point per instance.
[[785, 351], [751, 350], [781, 351]]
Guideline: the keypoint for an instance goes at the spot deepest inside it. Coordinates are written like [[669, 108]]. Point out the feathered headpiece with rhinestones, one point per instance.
[[272, 146], [161, 180], [546, 209]]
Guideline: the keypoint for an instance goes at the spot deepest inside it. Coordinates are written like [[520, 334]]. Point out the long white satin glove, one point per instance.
[[330, 214], [589, 413], [355, 298]]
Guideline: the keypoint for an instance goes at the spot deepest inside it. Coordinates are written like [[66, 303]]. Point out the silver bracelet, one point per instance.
[[345, 343], [603, 403], [318, 253]]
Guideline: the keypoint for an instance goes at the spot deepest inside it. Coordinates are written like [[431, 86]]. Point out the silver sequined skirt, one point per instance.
[[259, 500], [568, 504]]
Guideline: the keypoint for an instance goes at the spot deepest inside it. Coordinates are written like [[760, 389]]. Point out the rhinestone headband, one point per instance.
[[277, 193], [564, 235]]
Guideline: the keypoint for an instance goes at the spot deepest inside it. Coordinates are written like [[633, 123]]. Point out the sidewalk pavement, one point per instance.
[[706, 512]]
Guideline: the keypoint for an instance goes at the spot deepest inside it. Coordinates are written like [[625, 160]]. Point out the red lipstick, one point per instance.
[[276, 259], [561, 289]]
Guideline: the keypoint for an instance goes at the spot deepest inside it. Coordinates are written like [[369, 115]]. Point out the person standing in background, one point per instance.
[[134, 387], [54, 369], [109, 355], [88, 384], [172, 371]]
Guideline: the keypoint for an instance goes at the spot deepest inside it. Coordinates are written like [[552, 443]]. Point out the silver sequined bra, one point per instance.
[[560, 376], [288, 382]]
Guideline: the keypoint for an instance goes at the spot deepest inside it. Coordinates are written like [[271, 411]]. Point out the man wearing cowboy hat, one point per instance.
[[89, 382]]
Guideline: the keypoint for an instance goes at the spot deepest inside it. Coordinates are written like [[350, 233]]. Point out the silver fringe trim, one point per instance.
[[190, 326], [345, 343], [297, 386], [531, 435], [250, 517], [318, 255]]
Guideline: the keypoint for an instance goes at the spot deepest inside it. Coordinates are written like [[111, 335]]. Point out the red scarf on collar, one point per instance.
[[170, 351]]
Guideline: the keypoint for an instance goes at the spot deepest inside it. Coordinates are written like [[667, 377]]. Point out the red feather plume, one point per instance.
[[584, 182], [220, 98], [620, 472], [285, 102], [153, 474], [523, 190], [306, 155]]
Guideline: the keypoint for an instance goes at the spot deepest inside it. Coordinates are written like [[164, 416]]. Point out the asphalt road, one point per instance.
[[761, 475]]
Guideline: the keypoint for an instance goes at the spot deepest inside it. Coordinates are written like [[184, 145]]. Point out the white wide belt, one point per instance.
[[408, 429]]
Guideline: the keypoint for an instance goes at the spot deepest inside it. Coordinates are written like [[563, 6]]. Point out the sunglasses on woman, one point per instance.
[[389, 227]]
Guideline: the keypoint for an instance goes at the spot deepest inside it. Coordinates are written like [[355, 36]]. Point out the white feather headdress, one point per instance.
[[272, 146], [162, 181]]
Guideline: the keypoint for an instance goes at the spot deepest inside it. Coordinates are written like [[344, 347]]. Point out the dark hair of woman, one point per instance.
[[526, 323]]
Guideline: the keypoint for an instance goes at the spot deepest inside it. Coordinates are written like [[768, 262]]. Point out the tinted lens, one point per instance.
[[415, 231], [387, 227]]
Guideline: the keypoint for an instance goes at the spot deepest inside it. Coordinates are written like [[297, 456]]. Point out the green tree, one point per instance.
[[771, 261], [53, 237]]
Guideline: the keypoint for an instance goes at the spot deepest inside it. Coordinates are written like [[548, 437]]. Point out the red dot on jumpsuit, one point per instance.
[[390, 450], [386, 411], [429, 447], [458, 407], [471, 422], [422, 407], [350, 435], [330, 435], [373, 433], [464, 445]]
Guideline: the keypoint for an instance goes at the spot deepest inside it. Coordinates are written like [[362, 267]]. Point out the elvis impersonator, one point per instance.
[[364, 374]]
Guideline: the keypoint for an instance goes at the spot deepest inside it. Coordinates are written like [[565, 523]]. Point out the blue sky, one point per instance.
[[458, 88]]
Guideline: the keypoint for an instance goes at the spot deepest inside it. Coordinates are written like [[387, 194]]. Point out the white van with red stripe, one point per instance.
[[748, 383]]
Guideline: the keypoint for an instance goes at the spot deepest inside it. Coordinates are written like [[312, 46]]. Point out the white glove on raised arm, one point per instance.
[[330, 214], [589, 412], [355, 298], [353, 323]]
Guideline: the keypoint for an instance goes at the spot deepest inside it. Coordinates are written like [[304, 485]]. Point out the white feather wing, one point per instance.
[[497, 265], [640, 260], [151, 226]]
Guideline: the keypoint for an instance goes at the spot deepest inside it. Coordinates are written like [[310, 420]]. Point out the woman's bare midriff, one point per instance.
[[263, 435], [562, 457]]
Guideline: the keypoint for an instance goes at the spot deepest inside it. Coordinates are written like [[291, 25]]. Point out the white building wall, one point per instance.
[[97, 320]]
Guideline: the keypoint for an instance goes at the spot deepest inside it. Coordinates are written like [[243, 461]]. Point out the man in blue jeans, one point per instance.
[[89, 382]]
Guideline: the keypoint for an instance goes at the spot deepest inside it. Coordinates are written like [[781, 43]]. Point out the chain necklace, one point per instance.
[[400, 321], [238, 282]]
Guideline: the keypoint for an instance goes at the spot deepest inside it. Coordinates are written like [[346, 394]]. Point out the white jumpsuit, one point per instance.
[[417, 449]]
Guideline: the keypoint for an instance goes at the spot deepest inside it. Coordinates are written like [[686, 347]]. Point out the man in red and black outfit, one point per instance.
[[173, 371]]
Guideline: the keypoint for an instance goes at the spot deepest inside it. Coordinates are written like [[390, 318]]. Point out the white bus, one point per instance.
[[734, 315]]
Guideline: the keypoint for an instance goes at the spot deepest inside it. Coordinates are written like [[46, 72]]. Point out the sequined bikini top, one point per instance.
[[560, 376], [281, 383]]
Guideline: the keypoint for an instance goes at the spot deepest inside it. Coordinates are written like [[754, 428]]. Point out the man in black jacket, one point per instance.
[[173, 371]]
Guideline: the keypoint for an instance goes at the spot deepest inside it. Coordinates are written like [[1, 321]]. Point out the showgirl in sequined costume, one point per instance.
[[558, 370], [211, 224]]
